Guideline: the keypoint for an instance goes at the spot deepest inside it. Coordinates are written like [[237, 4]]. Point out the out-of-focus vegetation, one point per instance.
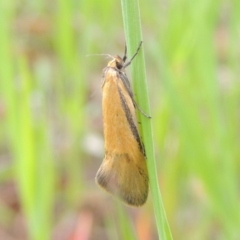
[[51, 142]]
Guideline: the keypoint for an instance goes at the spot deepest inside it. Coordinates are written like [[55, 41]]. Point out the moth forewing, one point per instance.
[[123, 171]]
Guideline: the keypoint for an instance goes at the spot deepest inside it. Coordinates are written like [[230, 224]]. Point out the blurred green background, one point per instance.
[[51, 140]]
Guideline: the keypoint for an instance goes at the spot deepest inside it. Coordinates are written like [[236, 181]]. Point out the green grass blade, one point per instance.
[[132, 26]]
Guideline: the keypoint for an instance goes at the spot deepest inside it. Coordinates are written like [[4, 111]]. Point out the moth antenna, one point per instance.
[[103, 54]]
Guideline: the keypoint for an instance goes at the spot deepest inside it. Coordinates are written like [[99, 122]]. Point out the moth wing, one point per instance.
[[122, 176]]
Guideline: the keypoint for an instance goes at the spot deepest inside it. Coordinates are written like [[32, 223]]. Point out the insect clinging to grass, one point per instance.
[[123, 171]]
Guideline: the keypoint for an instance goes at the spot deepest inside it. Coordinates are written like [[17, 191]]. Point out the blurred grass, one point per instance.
[[50, 101]]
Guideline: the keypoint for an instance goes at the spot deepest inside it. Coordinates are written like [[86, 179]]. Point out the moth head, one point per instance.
[[116, 62]]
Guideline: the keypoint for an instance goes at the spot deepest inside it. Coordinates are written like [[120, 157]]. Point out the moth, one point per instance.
[[123, 171]]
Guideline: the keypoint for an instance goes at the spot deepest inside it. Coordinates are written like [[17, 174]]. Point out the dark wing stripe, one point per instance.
[[130, 121]]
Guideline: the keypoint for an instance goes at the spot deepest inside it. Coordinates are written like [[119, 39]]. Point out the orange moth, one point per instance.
[[123, 171]]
